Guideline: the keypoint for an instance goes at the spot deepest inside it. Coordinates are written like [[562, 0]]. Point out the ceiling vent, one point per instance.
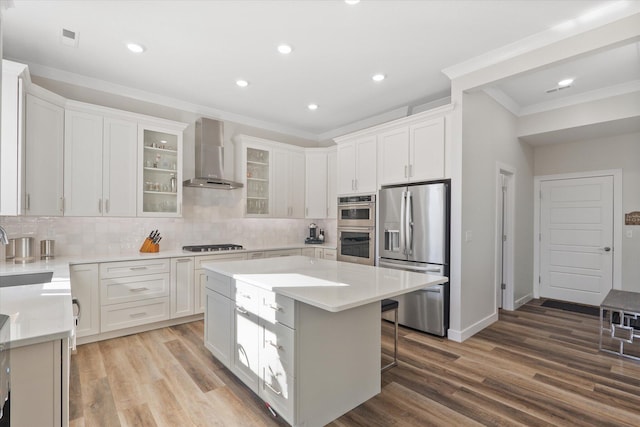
[[69, 38], [557, 89]]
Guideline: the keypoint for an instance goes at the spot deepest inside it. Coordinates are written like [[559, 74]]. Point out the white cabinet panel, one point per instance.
[[332, 183], [427, 150], [85, 287], [218, 326], [247, 347], [119, 167], [126, 315], [83, 164], [44, 144], [357, 166], [135, 288], [182, 287], [288, 184], [393, 149], [316, 184]]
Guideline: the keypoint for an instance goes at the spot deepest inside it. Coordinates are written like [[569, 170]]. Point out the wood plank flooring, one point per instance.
[[536, 366]]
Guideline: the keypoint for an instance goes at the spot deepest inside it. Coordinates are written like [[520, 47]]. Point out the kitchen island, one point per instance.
[[303, 333]]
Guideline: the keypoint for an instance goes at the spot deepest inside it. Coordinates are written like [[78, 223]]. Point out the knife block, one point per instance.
[[149, 247]]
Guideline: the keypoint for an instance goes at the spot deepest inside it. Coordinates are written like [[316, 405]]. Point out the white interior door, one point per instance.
[[576, 239]]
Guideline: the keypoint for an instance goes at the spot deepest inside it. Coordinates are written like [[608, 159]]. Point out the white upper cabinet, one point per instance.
[[288, 184], [83, 164], [316, 184], [357, 166], [412, 153], [411, 149], [160, 169], [320, 188], [44, 155], [274, 177], [100, 165], [11, 139], [119, 167]]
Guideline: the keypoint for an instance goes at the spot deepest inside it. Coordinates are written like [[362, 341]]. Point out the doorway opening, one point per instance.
[[505, 214]]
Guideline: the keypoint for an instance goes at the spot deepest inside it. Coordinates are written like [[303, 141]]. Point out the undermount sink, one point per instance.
[[25, 279]]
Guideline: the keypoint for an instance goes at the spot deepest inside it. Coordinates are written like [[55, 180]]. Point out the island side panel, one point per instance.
[[338, 360]]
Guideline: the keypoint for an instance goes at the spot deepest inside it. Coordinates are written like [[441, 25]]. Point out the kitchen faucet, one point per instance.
[[4, 239]]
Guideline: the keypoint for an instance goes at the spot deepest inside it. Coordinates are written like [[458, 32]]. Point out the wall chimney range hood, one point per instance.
[[210, 157]]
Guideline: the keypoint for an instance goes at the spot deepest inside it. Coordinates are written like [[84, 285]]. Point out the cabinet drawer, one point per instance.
[[277, 389], [109, 270], [248, 297], [127, 289], [282, 252], [221, 257], [278, 345], [330, 254], [120, 316], [277, 308], [220, 284]]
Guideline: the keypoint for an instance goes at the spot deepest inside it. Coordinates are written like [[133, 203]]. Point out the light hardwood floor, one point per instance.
[[534, 367]]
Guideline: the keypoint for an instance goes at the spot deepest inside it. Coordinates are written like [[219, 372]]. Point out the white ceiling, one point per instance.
[[197, 49]]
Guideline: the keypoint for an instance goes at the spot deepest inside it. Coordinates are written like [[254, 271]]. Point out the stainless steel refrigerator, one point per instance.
[[413, 230]]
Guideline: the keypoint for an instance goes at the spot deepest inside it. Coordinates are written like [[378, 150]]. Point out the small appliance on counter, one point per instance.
[[47, 249], [314, 238]]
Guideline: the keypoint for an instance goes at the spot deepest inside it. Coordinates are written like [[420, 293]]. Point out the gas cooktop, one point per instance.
[[213, 248]]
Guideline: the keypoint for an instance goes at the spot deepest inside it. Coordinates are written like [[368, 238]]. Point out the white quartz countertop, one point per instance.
[[329, 285], [38, 313]]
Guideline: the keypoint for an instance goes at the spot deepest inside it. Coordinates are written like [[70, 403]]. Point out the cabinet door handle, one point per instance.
[[272, 389], [137, 268], [410, 171], [138, 289], [241, 310], [28, 201], [135, 315], [61, 209], [405, 171], [106, 204], [276, 346], [100, 205], [244, 295], [274, 307]]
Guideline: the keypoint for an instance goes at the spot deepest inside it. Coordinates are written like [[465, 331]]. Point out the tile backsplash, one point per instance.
[[210, 216]]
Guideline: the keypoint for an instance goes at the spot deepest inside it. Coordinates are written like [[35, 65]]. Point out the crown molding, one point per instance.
[[140, 95], [612, 12]]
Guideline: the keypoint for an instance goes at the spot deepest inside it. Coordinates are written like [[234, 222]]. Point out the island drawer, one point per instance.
[[277, 388], [136, 288], [109, 270], [278, 345], [221, 257], [248, 297], [126, 315], [220, 284], [278, 308]]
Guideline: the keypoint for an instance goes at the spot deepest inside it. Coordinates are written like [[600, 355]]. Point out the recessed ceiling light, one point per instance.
[[565, 82], [284, 49], [242, 83], [351, 2], [135, 47], [312, 107], [378, 77]]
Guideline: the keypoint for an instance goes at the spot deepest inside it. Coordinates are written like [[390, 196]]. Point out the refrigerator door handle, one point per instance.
[[403, 240], [410, 267], [409, 223]]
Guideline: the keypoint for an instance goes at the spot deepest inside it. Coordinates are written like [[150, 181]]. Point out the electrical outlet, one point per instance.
[[629, 233]]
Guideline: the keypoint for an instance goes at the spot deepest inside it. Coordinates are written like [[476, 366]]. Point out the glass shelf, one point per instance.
[[161, 150], [159, 168], [257, 188]]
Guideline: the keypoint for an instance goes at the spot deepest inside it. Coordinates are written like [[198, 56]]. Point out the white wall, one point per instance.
[[488, 138], [618, 152]]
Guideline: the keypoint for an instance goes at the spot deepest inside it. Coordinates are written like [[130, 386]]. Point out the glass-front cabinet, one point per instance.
[[257, 167], [160, 176]]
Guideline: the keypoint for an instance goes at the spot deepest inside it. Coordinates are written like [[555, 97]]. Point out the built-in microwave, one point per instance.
[[357, 211]]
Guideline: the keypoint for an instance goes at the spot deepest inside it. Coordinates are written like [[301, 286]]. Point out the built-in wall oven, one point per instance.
[[356, 229]]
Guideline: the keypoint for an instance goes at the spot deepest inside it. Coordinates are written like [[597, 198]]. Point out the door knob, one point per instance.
[[607, 248]]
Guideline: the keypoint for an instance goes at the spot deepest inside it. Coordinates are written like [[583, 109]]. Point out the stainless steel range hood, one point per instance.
[[210, 157]]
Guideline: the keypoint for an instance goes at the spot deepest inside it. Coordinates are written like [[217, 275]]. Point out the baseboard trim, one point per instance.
[[522, 301], [460, 336]]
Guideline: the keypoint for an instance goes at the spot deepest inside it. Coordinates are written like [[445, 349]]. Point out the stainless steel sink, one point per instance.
[[25, 279]]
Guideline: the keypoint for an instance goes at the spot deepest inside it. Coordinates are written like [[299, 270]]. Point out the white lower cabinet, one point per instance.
[[133, 293], [40, 384], [85, 288], [182, 287], [282, 252], [201, 277], [326, 253]]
